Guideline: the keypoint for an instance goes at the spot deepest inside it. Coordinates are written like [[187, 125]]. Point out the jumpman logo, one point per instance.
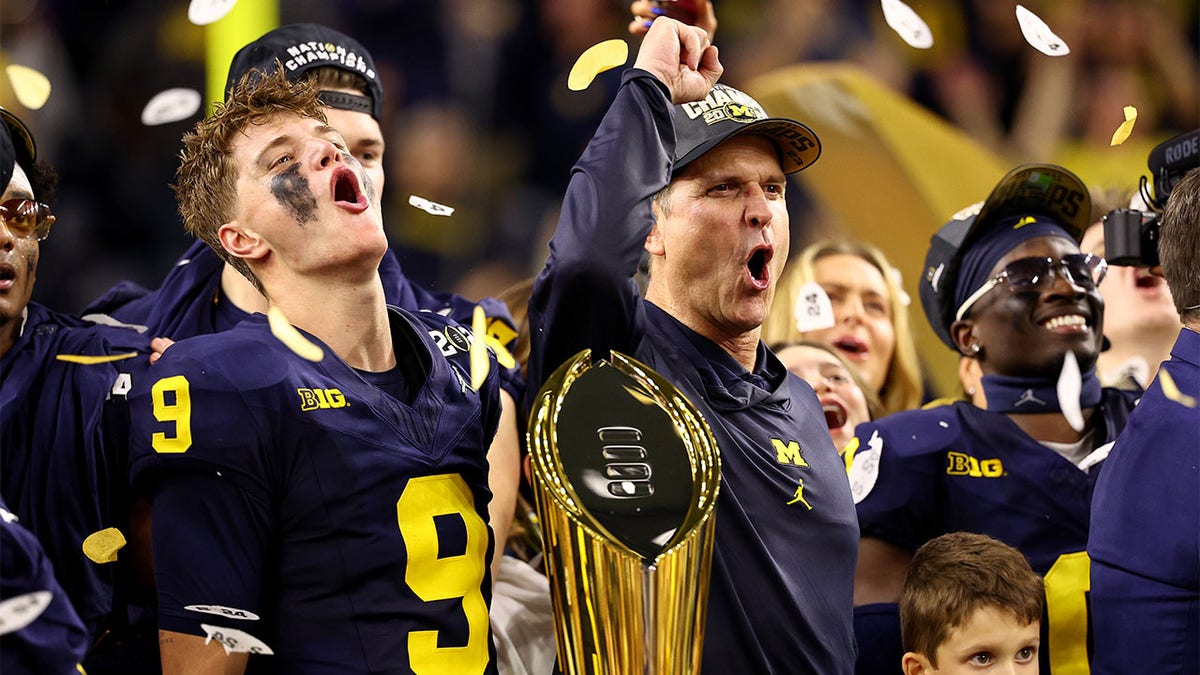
[[1028, 397], [800, 496]]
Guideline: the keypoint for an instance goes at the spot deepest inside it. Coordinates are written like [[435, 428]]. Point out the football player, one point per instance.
[[332, 512]]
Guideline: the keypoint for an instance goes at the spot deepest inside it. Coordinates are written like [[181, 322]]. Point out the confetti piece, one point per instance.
[[204, 12], [503, 356], [102, 546], [813, 310], [31, 87], [1172, 392], [234, 640], [1070, 385], [171, 105], [427, 206], [1039, 35], [479, 352], [595, 60], [286, 333], [93, 360], [224, 611], [1122, 133], [18, 612], [907, 24]]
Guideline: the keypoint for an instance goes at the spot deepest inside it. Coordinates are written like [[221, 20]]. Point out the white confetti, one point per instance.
[[18, 612], [907, 24], [864, 469], [171, 105], [1039, 35], [224, 611], [286, 333], [204, 12], [813, 310], [1070, 384], [234, 640], [430, 207]]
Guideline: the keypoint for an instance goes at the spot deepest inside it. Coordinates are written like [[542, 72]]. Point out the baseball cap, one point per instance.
[[1041, 191], [702, 125], [301, 47], [22, 150]]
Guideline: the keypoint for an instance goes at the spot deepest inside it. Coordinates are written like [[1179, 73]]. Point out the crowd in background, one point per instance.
[[478, 116]]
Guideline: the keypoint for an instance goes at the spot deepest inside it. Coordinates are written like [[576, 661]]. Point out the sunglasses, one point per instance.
[[1034, 275], [25, 217]]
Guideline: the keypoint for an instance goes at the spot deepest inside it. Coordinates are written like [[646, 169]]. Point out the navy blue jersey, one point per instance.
[[352, 522], [922, 473], [63, 443], [52, 639], [786, 541], [1145, 538], [189, 303]]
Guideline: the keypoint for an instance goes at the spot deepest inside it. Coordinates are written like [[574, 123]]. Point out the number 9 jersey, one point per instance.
[[334, 518]]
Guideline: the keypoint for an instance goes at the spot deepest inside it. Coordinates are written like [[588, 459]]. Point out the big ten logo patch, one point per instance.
[[962, 464], [788, 452], [321, 399]]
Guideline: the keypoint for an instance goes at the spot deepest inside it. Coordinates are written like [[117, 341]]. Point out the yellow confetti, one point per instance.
[[286, 333], [479, 353], [503, 356], [31, 87], [595, 60], [1122, 133], [101, 547], [1172, 392], [85, 360]]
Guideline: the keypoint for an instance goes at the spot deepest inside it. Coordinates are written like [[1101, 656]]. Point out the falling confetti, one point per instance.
[[85, 360], [102, 546], [429, 207], [479, 351], [286, 333], [171, 105], [219, 610], [204, 12], [1172, 392], [1070, 385], [234, 640], [31, 87], [907, 24], [595, 60], [813, 310], [18, 612], [1039, 35], [1122, 133]]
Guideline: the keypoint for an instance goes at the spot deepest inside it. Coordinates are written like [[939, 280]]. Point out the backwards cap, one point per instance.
[[301, 47], [1044, 191], [702, 125], [16, 147]]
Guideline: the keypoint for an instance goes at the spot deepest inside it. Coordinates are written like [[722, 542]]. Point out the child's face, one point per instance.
[[992, 640]]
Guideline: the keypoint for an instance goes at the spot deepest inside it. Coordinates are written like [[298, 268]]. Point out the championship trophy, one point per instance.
[[626, 474]]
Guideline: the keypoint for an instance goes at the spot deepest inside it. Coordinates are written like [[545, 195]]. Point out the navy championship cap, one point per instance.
[[702, 125], [21, 148], [301, 47], [1045, 192]]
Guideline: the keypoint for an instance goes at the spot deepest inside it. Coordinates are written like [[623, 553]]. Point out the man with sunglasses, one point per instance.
[[1005, 283], [63, 414]]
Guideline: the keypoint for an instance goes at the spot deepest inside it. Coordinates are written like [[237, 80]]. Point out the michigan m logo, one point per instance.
[[788, 452]]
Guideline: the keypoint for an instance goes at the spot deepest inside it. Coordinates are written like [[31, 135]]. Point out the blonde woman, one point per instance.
[[870, 314]]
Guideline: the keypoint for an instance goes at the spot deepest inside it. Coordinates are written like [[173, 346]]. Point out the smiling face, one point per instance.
[[18, 263], [842, 401], [302, 198], [1027, 334], [992, 640], [864, 332], [719, 244]]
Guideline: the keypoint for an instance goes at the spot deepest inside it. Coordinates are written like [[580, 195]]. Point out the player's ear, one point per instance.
[[915, 664], [654, 241], [242, 242], [963, 334]]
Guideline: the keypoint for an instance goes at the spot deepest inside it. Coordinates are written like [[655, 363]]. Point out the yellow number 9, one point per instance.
[[1067, 583], [437, 578], [179, 412]]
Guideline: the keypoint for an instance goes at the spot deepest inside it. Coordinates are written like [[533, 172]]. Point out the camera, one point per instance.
[[1131, 236]]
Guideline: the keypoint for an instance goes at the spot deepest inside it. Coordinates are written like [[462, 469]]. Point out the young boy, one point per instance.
[[970, 604]]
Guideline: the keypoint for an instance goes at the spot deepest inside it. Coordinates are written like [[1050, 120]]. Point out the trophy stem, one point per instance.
[[649, 611]]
